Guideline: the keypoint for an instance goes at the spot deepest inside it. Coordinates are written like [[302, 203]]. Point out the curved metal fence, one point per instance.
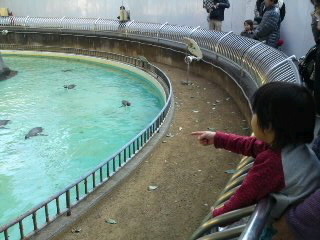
[[261, 62], [62, 202]]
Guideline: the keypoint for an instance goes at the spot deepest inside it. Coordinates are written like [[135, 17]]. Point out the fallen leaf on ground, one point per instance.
[[152, 188], [111, 221], [76, 230]]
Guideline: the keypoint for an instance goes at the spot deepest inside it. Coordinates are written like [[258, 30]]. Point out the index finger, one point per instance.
[[197, 133]]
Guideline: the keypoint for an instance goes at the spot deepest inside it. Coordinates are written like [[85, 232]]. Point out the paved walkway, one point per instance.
[[189, 177]]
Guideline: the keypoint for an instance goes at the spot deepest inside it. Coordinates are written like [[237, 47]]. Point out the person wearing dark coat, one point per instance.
[[215, 9], [260, 9], [269, 28]]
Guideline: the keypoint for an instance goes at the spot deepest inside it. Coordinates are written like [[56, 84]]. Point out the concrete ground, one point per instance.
[[189, 177]]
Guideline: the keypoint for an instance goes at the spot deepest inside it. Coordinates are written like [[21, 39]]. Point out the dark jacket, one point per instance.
[[317, 78], [216, 13], [315, 31], [249, 34], [269, 28], [262, 9]]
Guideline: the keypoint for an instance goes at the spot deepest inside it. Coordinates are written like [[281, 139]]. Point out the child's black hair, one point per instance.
[[250, 23], [288, 109]]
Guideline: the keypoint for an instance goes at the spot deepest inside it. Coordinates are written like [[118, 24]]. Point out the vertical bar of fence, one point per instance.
[[58, 205], [6, 235], [119, 159], [134, 147], [68, 202], [77, 192], [101, 176], [114, 164], [94, 180], [86, 186], [125, 155], [108, 170], [34, 220], [21, 229], [47, 212]]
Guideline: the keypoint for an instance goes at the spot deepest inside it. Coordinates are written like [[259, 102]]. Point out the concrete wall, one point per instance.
[[295, 29]]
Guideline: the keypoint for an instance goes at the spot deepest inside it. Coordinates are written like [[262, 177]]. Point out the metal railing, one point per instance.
[[62, 202], [261, 63], [254, 225]]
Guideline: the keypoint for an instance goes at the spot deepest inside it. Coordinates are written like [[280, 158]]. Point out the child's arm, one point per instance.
[[248, 146], [266, 176]]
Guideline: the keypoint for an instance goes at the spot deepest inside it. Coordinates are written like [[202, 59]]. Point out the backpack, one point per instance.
[[306, 67]]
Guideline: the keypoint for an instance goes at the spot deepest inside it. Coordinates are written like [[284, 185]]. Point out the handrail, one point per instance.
[[227, 234], [222, 220], [243, 52], [105, 170], [257, 220]]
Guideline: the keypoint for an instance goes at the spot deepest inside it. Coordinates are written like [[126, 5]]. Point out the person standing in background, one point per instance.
[[269, 28], [215, 9], [260, 9]]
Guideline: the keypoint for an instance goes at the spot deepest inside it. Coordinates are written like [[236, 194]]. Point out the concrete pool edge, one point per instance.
[[63, 222]]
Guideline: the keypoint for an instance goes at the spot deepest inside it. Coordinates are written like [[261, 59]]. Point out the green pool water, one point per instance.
[[85, 125]]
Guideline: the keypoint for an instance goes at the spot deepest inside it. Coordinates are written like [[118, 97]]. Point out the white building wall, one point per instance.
[[295, 29]]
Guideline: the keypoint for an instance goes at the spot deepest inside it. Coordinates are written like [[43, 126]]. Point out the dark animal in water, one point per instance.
[[66, 70], [71, 86], [7, 73], [37, 131], [3, 123], [125, 103]]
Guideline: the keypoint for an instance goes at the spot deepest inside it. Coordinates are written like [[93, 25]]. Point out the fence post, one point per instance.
[[68, 202], [25, 22], [159, 30]]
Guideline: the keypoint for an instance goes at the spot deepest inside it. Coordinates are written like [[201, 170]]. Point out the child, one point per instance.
[[285, 167], [248, 29]]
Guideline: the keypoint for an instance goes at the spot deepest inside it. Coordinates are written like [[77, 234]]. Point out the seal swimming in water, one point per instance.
[[67, 70], [71, 86], [125, 103], [3, 123], [37, 131]]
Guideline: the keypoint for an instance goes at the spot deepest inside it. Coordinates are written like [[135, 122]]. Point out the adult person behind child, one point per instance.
[[316, 32], [260, 9], [215, 9], [302, 221], [269, 28], [248, 29]]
